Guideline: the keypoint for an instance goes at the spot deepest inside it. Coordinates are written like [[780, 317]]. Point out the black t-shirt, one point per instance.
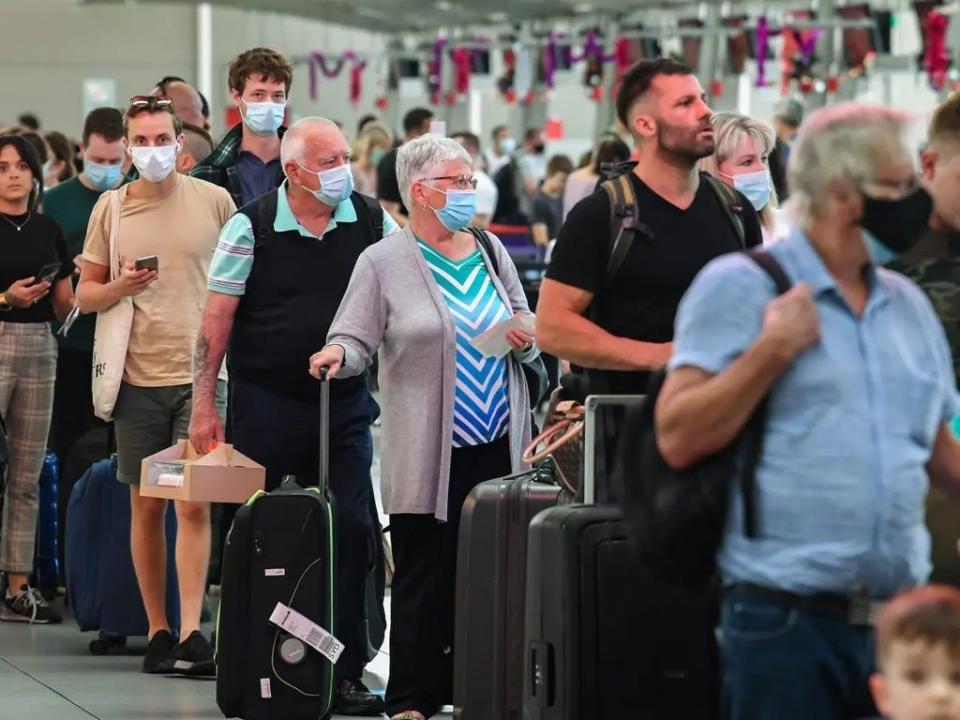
[[23, 253], [670, 247], [388, 188], [549, 211]]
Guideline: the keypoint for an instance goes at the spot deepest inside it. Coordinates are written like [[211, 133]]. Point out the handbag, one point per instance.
[[562, 442], [112, 334]]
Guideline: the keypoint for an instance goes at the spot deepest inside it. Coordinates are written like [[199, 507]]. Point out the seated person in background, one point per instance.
[[741, 161], [548, 203], [918, 655], [610, 151]]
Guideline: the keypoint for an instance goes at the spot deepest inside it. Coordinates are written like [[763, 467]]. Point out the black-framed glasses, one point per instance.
[[461, 182]]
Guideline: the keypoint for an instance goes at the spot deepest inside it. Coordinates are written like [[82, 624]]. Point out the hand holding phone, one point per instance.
[[148, 262], [47, 273]]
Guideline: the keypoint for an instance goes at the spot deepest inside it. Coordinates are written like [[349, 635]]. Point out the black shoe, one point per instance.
[[355, 698], [28, 606], [193, 657], [158, 652]]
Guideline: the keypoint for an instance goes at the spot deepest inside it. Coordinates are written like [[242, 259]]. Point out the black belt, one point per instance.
[[852, 609]]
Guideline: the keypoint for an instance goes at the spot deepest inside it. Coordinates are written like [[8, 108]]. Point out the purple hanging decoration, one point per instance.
[[336, 66], [763, 50], [593, 48]]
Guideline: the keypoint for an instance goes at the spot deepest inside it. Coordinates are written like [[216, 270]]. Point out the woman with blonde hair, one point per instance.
[[368, 149], [743, 146]]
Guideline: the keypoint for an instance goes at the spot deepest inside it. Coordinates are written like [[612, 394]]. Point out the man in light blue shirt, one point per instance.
[[861, 393]]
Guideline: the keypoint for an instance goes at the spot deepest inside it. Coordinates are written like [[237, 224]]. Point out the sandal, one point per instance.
[[409, 715]]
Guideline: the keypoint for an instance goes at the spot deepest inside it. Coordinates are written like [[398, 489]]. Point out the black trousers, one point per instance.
[[423, 592], [283, 435]]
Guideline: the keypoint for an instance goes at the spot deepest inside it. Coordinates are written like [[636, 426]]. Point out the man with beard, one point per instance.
[[620, 326]]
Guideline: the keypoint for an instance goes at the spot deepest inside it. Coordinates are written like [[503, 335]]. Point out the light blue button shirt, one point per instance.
[[841, 482]]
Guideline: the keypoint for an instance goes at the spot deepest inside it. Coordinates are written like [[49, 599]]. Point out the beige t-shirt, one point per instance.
[[181, 229]]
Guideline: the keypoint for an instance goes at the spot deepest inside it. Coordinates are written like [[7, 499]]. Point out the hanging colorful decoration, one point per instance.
[[461, 69], [332, 67], [936, 57]]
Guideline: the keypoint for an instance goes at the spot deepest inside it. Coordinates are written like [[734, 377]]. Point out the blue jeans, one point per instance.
[[784, 664]]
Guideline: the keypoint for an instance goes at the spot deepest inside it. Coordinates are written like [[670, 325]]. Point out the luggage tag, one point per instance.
[[304, 628]]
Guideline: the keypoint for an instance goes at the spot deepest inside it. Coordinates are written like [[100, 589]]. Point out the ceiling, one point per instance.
[[418, 15]]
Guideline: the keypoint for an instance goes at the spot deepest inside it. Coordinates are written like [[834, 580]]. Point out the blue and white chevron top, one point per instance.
[[481, 410]]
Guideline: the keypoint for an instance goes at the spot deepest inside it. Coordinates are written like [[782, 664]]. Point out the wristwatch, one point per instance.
[[4, 305]]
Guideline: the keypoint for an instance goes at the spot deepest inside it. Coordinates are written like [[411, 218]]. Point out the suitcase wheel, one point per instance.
[[105, 645]]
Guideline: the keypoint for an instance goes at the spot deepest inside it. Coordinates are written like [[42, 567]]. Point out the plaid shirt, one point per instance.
[[220, 167]]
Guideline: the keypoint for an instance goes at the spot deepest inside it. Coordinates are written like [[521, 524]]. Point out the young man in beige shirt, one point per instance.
[[177, 219]]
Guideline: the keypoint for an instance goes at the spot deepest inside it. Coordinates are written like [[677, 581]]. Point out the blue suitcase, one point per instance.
[[101, 583]]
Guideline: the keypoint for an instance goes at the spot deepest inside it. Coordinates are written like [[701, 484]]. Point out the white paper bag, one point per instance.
[[113, 329]]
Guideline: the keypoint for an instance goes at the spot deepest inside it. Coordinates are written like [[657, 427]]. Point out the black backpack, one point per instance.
[[677, 518]]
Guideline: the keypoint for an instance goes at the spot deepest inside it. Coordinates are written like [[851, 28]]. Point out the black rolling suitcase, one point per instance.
[[602, 640], [278, 569], [491, 586]]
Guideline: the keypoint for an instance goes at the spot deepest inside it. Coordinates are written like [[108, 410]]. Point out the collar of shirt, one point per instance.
[[286, 221], [226, 153], [811, 269]]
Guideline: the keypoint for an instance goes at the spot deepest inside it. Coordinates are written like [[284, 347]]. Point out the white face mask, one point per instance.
[[155, 163]]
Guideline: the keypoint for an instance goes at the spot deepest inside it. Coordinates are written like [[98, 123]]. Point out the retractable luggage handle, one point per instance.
[[324, 430], [591, 405]]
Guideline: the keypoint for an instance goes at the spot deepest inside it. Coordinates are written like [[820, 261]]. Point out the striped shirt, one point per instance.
[[481, 412]]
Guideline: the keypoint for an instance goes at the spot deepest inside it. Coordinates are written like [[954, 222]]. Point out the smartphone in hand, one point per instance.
[[148, 262], [47, 273]]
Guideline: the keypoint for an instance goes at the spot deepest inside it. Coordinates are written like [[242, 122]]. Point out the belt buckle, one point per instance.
[[863, 611]]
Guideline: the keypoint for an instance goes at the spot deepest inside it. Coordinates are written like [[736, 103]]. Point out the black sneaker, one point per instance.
[[193, 657], [28, 606], [158, 652]]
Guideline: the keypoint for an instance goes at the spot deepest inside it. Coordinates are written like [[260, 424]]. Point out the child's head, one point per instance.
[[918, 655]]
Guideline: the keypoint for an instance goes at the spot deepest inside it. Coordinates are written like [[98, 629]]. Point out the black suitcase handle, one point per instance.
[[324, 430]]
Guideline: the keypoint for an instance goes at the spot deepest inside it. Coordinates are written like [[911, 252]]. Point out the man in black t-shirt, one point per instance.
[[415, 123], [682, 226]]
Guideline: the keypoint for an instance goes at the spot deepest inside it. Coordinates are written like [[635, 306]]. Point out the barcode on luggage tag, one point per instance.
[[304, 628], [265, 691], [274, 572]]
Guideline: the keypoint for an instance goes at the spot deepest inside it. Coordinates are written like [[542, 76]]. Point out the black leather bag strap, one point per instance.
[[483, 240], [752, 440], [266, 213], [624, 218]]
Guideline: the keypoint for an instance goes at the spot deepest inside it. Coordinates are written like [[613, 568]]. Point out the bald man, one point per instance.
[[197, 145], [316, 228], [186, 101]]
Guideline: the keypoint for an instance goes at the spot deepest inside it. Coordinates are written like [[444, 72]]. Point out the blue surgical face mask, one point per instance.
[[507, 145], [102, 177], [376, 155], [264, 118], [460, 208], [336, 184], [756, 186]]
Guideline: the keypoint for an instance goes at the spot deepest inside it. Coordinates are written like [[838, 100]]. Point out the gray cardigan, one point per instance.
[[394, 305]]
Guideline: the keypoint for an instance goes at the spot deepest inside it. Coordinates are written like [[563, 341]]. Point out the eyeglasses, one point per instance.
[[885, 188], [461, 182], [151, 103]]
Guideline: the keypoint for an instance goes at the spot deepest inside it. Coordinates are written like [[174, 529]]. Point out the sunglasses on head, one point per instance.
[[152, 103]]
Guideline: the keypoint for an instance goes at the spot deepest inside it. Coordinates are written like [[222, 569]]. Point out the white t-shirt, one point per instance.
[[487, 194]]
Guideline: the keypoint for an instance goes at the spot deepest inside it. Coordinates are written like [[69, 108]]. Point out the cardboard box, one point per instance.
[[179, 473]]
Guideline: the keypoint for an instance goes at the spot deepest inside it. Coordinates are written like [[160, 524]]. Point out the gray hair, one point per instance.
[[847, 143], [292, 145], [417, 158]]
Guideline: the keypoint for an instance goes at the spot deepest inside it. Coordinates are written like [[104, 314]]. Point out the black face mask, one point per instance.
[[539, 148], [898, 224]]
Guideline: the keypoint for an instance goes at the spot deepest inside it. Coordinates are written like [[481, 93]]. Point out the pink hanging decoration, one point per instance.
[[936, 59], [461, 70], [356, 81], [332, 70]]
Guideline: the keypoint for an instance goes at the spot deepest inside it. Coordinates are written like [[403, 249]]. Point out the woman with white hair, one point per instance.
[[854, 373], [741, 157], [453, 416]]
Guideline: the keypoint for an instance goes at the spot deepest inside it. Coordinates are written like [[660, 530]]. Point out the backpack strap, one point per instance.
[[732, 206], [262, 214], [753, 433], [375, 210], [624, 219]]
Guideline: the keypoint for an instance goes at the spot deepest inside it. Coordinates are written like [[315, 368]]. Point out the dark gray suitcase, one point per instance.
[[603, 640], [491, 585]]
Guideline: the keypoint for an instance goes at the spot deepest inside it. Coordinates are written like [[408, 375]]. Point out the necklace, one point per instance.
[[20, 226]]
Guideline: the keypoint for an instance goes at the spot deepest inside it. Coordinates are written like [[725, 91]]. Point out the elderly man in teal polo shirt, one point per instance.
[[276, 280]]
